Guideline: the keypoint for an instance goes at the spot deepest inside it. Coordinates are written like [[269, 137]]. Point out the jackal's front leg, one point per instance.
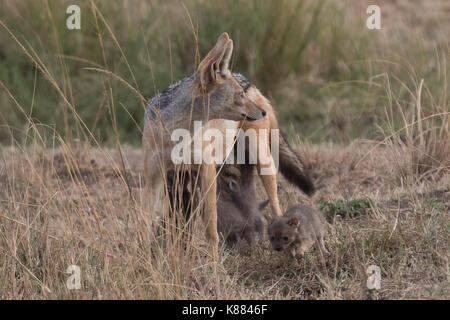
[[270, 184], [268, 173], [304, 247], [209, 189]]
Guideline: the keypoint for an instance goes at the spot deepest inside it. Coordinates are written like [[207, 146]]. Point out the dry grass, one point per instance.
[[61, 207]]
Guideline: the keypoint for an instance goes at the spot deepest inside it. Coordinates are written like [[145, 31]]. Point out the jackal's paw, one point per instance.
[[293, 252]]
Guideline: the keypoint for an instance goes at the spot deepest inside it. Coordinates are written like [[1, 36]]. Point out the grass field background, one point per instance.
[[368, 110], [325, 72]]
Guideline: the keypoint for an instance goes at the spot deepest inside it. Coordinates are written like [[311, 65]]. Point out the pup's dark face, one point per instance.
[[282, 232]]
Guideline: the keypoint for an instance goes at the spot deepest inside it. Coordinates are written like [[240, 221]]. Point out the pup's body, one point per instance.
[[239, 220], [297, 230]]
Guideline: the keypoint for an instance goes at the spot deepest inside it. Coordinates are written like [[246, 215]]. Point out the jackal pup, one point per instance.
[[297, 230], [238, 213]]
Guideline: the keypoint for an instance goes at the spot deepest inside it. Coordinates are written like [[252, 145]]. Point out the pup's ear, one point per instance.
[[268, 218], [216, 63], [293, 222]]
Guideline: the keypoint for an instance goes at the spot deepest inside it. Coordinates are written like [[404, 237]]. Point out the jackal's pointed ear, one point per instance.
[[224, 64], [268, 218], [215, 65]]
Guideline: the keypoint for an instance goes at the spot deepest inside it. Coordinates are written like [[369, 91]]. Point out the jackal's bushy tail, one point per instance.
[[293, 168]]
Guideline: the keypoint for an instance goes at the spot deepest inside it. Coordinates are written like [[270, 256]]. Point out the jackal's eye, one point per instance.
[[285, 238], [241, 94]]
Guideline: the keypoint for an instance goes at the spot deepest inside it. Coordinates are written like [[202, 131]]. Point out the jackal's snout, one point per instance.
[[253, 112]]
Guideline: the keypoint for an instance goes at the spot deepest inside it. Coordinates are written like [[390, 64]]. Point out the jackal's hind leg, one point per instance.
[[322, 244]]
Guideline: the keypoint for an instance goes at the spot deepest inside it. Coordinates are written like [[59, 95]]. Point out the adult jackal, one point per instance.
[[210, 93], [221, 101]]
